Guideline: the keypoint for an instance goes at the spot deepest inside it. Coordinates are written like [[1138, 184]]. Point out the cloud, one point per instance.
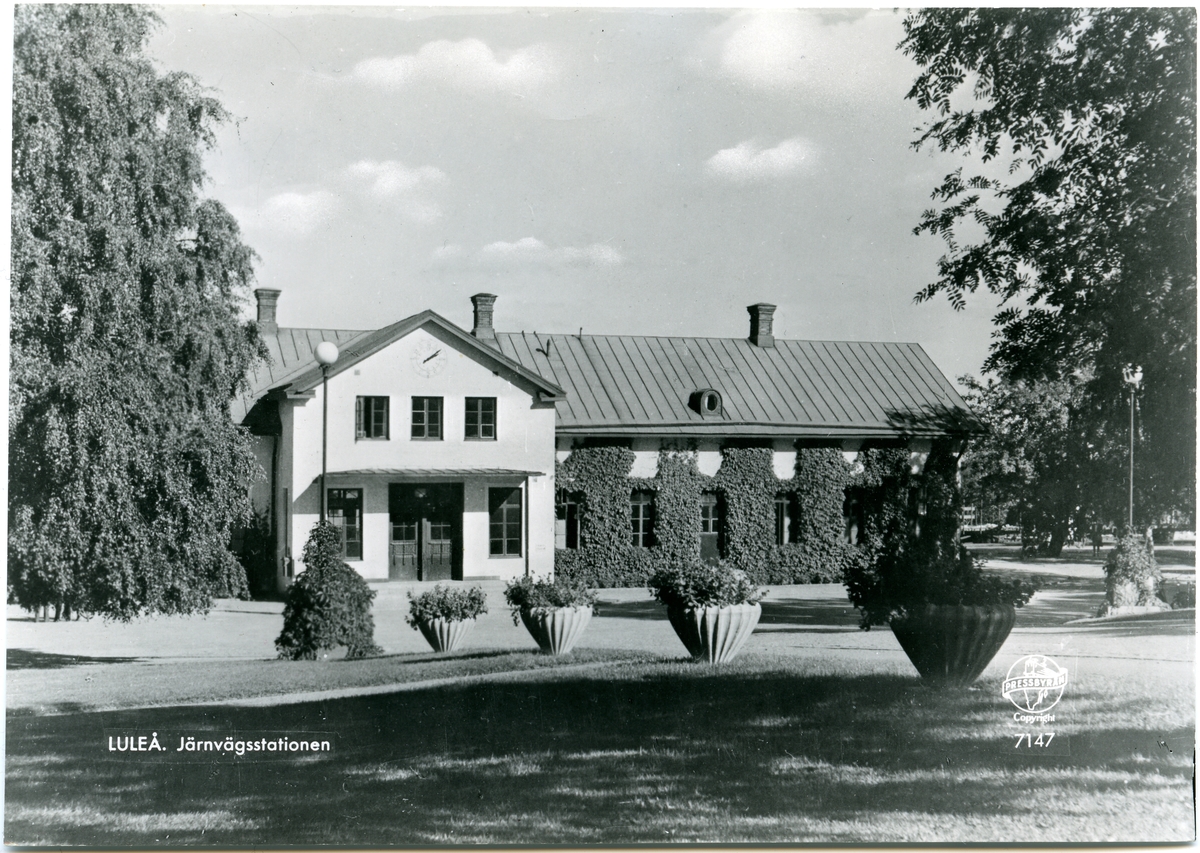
[[532, 252], [390, 178], [402, 187], [293, 213], [748, 161], [810, 53], [767, 49], [469, 65]]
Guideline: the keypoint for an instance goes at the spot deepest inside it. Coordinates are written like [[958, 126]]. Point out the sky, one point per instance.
[[620, 171]]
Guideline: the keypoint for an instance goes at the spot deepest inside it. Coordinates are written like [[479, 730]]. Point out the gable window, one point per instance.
[[787, 515], [481, 418], [710, 527], [371, 417], [641, 505], [345, 513], [566, 521], [504, 528], [427, 418]]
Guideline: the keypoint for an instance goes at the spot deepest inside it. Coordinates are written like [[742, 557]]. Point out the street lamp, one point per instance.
[[327, 354], [1133, 378]]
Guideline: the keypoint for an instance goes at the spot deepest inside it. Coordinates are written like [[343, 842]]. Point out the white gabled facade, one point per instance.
[[461, 497]]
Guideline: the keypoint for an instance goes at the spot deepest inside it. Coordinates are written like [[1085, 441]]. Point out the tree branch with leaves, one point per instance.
[[1078, 209]]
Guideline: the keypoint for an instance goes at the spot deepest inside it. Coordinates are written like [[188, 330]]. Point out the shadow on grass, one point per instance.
[[1165, 555], [775, 611], [1168, 556], [1056, 606], [648, 609], [27, 659], [819, 615], [670, 752], [1169, 622]]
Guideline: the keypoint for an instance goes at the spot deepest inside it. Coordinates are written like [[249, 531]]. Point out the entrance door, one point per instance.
[[405, 563], [426, 523]]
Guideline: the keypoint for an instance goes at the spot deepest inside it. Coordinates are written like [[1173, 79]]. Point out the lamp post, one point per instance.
[[1133, 378], [327, 355]]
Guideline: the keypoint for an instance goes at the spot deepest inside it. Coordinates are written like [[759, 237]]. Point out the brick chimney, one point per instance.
[[267, 300], [484, 304], [760, 324]]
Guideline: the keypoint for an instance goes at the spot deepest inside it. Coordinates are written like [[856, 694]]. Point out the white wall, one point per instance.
[[525, 442], [784, 463]]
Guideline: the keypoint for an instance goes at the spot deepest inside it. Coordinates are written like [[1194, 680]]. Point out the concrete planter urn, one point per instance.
[[445, 635], [555, 612], [714, 634], [445, 614], [952, 645], [556, 630]]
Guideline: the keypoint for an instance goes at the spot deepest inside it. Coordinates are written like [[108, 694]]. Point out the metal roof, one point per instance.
[[292, 353], [619, 385], [369, 343], [293, 361], [434, 473], [627, 385]]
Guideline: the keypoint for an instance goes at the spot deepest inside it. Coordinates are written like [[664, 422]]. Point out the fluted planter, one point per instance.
[[714, 634], [953, 644], [445, 635], [556, 630]]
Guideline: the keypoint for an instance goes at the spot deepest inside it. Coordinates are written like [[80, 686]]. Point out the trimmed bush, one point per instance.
[[1131, 574], [329, 605]]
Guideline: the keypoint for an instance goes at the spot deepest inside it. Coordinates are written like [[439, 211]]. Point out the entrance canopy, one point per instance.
[[433, 473]]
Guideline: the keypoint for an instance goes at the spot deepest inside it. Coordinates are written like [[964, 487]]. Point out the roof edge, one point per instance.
[[381, 338]]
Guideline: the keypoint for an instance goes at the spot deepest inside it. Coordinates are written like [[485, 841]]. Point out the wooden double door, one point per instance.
[[426, 531]]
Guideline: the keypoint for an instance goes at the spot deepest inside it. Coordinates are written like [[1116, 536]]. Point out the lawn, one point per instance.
[[761, 750], [818, 733], [48, 685]]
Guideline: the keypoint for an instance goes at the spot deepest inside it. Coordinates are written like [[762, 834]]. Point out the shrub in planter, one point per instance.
[[1132, 576], [445, 614], [329, 605], [713, 608], [554, 612], [949, 616]]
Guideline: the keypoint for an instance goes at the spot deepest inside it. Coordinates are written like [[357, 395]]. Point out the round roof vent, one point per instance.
[[706, 402]]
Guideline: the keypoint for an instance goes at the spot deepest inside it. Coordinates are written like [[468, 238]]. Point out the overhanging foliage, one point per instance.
[[125, 470], [1082, 136]]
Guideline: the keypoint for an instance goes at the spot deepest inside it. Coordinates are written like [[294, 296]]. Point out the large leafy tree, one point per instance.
[[125, 469], [1031, 457], [1080, 213]]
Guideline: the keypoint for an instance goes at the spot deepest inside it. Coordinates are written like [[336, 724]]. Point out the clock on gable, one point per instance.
[[428, 357]]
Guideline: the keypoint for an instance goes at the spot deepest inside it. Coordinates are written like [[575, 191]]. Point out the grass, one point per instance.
[[817, 733], [46, 686], [767, 749]]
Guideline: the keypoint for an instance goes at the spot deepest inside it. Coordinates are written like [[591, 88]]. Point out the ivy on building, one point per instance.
[[597, 478]]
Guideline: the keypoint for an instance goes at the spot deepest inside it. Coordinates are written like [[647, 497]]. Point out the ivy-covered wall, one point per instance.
[[746, 486], [883, 486]]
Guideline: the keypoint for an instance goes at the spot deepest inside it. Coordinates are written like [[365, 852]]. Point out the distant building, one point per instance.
[[442, 443]]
